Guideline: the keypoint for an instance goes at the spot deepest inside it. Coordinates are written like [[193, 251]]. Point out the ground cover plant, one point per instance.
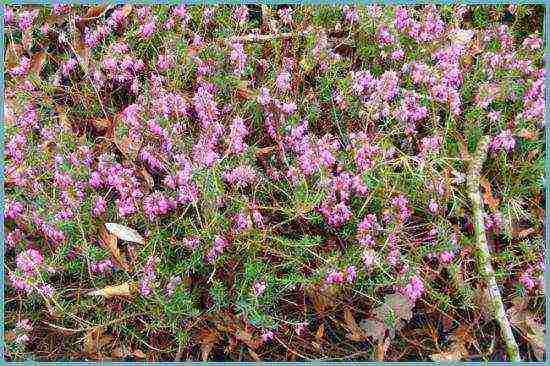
[[273, 182]]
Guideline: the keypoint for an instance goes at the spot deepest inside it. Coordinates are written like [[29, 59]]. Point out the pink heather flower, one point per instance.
[[369, 257], [493, 116], [46, 290], [237, 132], [446, 257], [433, 206], [300, 328], [285, 15], [240, 176], [102, 266], [533, 42], [527, 280], [191, 242], [181, 12], [241, 222], [100, 206], [208, 14], [503, 141], [29, 261], [351, 14], [259, 288], [220, 243], [8, 15], [149, 275], [171, 286], [23, 67], [397, 55], [415, 288], [241, 14], [288, 108], [267, 335], [26, 19], [24, 325], [13, 209], [351, 274], [283, 81], [264, 98], [147, 29], [68, 66], [334, 277], [238, 58]]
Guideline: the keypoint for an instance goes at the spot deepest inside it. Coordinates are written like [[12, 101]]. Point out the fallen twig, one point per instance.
[[484, 258]]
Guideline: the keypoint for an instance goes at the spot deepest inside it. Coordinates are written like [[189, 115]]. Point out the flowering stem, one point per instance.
[[484, 257]]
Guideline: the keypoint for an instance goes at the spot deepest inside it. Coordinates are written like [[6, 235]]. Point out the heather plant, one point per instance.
[[273, 182]]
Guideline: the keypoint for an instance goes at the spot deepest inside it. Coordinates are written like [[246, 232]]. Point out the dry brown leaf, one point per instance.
[[460, 339], [127, 9], [124, 289], [526, 232], [373, 328], [533, 331], [208, 340], [381, 349], [529, 135], [94, 340], [110, 242], [139, 353], [357, 333], [95, 11], [244, 336], [463, 150], [37, 62], [124, 233], [488, 198], [120, 352], [254, 355], [147, 177], [9, 335], [320, 334]]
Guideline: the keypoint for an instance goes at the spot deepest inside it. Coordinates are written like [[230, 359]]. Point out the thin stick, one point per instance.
[[484, 258]]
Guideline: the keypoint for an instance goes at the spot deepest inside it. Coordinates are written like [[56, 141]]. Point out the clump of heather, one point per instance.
[[274, 169]]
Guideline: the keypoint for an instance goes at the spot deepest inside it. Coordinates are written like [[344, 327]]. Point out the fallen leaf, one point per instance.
[[247, 338], [526, 232], [488, 198], [526, 134], [147, 177], [37, 62], [533, 331], [357, 333], [110, 242], [9, 335], [320, 334], [373, 328], [127, 9], [95, 11], [381, 349], [254, 355], [395, 305], [124, 289], [94, 340], [461, 36], [208, 340], [459, 340], [120, 352], [124, 233], [139, 354]]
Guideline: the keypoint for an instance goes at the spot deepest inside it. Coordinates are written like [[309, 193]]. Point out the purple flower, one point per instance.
[[29, 261], [147, 29], [415, 288], [259, 288]]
